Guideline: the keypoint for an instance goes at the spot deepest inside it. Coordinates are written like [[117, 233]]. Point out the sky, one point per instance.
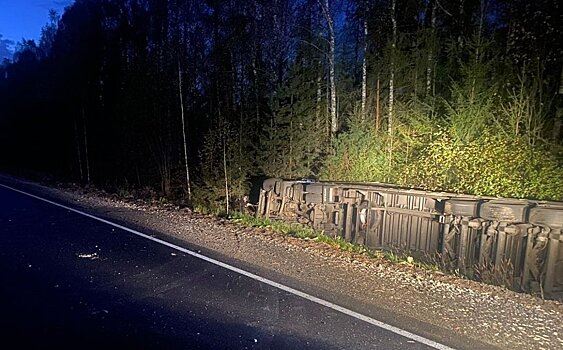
[[25, 18]]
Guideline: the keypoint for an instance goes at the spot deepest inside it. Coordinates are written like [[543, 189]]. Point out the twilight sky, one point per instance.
[[24, 18]]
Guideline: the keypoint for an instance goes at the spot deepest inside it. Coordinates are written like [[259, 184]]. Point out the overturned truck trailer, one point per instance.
[[521, 238]]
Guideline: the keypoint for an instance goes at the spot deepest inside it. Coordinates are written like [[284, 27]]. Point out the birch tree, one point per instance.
[[327, 10], [188, 186], [364, 62], [392, 69]]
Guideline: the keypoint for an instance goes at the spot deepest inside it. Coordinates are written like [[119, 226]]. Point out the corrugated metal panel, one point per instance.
[[465, 232]]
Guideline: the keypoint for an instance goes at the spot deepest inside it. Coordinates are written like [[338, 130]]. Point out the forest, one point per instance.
[[196, 100]]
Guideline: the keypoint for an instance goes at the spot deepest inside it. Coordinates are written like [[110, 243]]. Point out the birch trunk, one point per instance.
[[331, 63], [392, 75], [392, 86], [364, 66], [188, 186]]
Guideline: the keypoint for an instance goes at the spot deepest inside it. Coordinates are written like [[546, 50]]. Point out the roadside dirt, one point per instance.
[[489, 314]]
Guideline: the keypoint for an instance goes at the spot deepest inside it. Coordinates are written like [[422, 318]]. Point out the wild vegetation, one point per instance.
[[307, 233], [197, 99]]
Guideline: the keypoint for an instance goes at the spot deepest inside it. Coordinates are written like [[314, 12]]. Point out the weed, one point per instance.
[[307, 233], [496, 274]]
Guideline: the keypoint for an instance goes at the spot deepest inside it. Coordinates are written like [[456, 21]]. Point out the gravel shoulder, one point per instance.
[[399, 294]]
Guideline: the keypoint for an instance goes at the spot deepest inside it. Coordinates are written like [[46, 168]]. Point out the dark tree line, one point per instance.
[[196, 98]]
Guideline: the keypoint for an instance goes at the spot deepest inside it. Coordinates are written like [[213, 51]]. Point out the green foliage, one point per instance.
[[491, 165], [363, 153], [292, 229], [484, 136], [222, 146], [298, 231], [487, 166], [469, 109], [296, 137], [358, 156], [488, 144], [524, 110], [307, 233]]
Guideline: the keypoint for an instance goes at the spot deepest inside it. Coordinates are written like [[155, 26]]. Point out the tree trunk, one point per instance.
[[225, 171], [430, 62], [556, 134], [377, 106], [320, 119], [78, 153], [319, 96], [188, 186], [165, 175], [364, 66], [482, 10], [331, 63], [392, 73], [86, 146], [290, 168], [391, 87], [461, 23]]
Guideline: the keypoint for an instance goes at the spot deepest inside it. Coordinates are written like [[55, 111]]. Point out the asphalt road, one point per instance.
[[67, 280]]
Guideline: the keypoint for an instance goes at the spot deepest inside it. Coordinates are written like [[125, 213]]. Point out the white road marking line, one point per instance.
[[280, 286]]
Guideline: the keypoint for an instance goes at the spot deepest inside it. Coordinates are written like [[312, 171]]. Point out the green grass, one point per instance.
[[307, 233]]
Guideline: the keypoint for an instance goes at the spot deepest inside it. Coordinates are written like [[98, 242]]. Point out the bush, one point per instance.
[[491, 166], [359, 156]]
